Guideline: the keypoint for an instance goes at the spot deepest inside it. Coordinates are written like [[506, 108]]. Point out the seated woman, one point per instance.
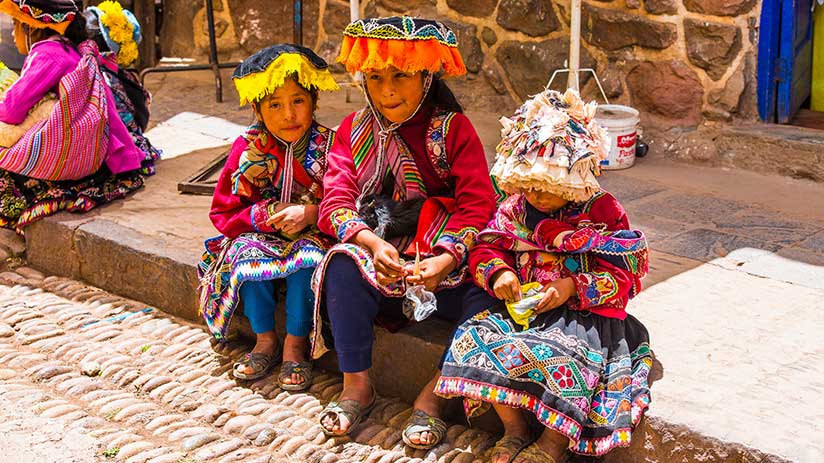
[[117, 34], [265, 205], [48, 170], [411, 142], [580, 363]]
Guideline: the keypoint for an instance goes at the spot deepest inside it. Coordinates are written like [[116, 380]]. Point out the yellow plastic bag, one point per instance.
[[523, 311]]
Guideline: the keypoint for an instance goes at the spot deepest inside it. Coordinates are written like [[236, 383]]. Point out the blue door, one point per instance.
[[784, 58]]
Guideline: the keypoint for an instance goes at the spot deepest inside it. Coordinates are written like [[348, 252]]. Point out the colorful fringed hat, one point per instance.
[[262, 73], [120, 30], [409, 44], [551, 144], [42, 14]]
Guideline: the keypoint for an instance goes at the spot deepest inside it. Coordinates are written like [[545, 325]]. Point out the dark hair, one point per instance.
[[441, 96], [75, 32]]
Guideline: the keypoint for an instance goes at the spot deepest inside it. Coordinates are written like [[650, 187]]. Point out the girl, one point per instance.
[[47, 170], [580, 364], [411, 142], [265, 205]]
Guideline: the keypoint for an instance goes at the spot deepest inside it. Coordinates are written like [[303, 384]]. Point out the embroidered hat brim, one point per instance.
[[407, 43], [262, 73], [41, 14]]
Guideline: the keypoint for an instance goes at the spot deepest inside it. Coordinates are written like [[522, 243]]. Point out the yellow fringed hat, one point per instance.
[[409, 44], [42, 14], [552, 144], [262, 73]]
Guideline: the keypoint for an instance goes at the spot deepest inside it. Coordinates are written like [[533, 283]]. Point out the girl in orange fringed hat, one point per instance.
[[411, 142]]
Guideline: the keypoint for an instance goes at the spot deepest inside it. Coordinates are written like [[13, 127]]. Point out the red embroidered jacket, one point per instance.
[[467, 182]]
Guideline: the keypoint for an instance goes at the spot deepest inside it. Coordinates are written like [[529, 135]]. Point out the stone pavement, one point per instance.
[[731, 302], [126, 382]]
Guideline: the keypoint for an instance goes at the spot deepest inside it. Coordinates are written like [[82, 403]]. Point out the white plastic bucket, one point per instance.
[[621, 124]]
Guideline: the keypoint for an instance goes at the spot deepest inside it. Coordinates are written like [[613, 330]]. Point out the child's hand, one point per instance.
[[388, 268], [506, 286], [293, 218], [433, 271], [556, 294]]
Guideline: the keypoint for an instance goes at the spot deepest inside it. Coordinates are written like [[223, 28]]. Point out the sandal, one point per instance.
[[509, 445], [260, 362], [351, 409], [534, 454], [303, 369], [420, 422]]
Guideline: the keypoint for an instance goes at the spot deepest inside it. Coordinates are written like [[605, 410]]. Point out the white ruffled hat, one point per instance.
[[551, 144]]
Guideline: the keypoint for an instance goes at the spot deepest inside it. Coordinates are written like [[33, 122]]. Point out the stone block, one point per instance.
[[712, 46], [468, 44], [489, 36], [661, 6], [729, 97], [670, 91], [532, 17], [401, 5], [138, 266], [335, 19], [705, 245], [493, 77], [720, 7], [613, 30], [528, 65], [12, 241], [476, 8], [50, 245]]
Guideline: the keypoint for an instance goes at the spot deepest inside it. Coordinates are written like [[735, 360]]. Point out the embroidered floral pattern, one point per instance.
[[457, 243], [346, 223]]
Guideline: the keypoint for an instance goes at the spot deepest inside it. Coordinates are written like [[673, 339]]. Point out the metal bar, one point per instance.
[[188, 67], [574, 44], [210, 19], [297, 30]]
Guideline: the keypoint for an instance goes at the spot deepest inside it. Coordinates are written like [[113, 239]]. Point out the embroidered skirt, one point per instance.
[[582, 375], [226, 264]]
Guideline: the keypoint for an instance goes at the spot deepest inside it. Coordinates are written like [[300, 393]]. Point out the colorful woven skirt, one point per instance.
[[226, 264], [581, 375]]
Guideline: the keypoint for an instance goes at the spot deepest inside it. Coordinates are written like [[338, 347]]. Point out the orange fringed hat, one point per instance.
[[42, 14], [409, 44]]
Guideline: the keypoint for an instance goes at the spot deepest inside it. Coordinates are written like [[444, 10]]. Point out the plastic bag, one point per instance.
[[419, 303], [523, 311]]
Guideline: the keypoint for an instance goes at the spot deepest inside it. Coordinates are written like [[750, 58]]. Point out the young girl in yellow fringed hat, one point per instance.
[[265, 206], [411, 142]]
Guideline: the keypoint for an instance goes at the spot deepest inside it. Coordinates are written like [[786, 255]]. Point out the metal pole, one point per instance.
[[297, 35], [354, 10], [210, 18], [574, 44]]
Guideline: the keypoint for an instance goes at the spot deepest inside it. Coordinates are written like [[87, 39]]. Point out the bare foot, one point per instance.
[[356, 386], [432, 405], [266, 344], [294, 350]]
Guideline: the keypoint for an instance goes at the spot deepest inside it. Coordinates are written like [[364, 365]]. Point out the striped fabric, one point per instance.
[[398, 159], [72, 142]]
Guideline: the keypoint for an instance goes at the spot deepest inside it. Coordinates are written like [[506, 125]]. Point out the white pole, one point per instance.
[[574, 44], [354, 10]]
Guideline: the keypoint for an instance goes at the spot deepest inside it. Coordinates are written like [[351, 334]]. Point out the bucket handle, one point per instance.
[[590, 70]]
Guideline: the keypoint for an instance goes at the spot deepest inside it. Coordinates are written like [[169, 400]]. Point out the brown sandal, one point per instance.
[[351, 409], [259, 362], [509, 445], [420, 422], [535, 454], [303, 369]]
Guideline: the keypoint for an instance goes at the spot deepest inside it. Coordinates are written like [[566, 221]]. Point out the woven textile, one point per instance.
[[72, 142], [581, 375]]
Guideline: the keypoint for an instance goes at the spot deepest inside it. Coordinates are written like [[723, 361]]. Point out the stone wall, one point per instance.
[[683, 63]]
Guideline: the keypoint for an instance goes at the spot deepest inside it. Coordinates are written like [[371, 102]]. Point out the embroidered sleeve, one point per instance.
[[456, 243], [485, 270], [346, 224], [260, 213]]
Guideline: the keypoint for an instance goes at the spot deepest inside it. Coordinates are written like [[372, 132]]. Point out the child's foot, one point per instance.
[[257, 363], [296, 369], [430, 405]]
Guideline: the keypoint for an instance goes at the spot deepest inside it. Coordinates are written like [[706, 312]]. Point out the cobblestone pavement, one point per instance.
[[124, 382]]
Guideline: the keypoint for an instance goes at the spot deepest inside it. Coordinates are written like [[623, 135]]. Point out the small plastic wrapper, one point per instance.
[[419, 303], [523, 311]]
